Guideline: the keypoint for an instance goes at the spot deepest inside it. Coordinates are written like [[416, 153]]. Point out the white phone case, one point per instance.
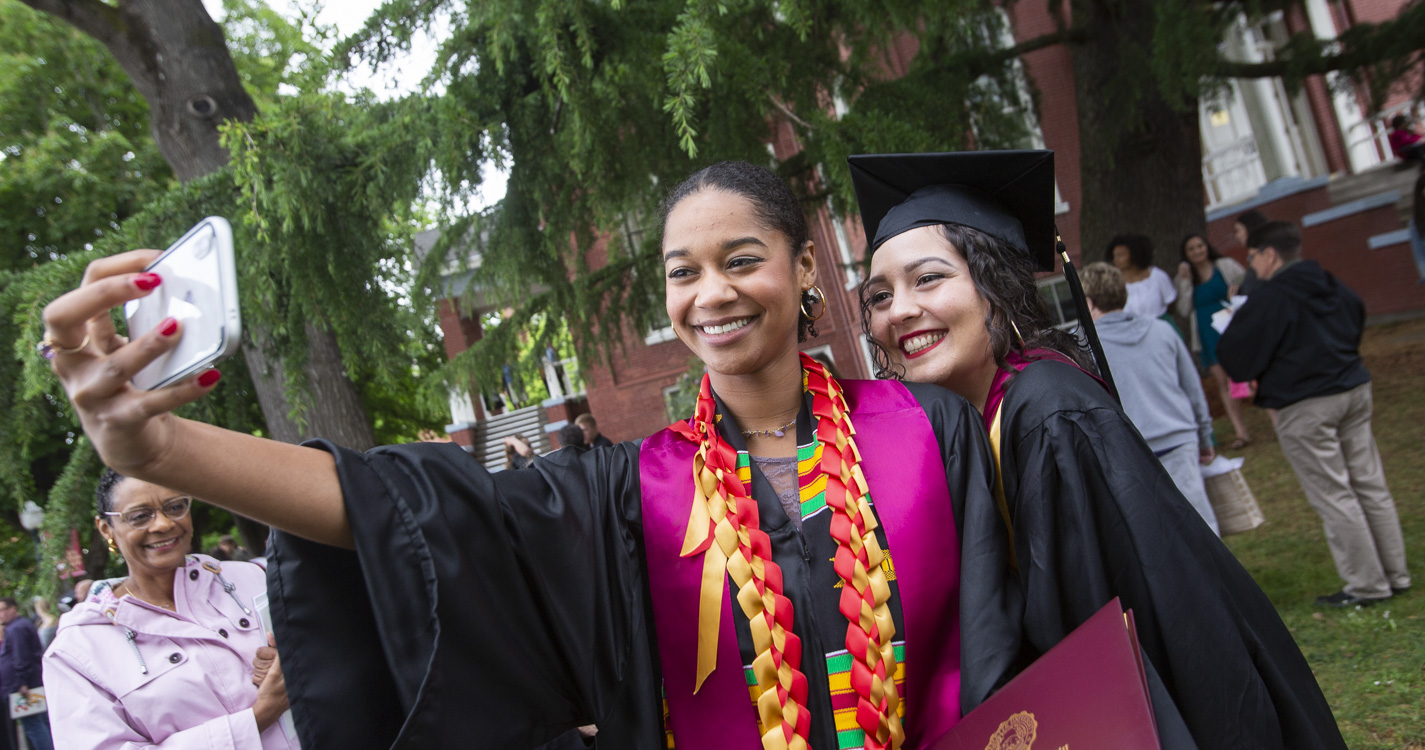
[[199, 289]]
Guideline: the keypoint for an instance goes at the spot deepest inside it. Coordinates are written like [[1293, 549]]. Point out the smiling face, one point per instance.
[[733, 284], [1195, 250], [926, 312], [163, 543]]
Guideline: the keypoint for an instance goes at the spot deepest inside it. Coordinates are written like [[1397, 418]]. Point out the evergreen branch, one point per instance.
[[1360, 46], [92, 17], [787, 112]]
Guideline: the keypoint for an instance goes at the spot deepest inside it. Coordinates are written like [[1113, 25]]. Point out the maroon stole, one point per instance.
[[902, 463]]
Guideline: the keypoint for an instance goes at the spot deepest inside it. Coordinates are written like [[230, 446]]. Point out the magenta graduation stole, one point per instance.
[[902, 463]]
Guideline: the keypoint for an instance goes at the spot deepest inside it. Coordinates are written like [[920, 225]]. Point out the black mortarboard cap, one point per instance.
[[1006, 194]]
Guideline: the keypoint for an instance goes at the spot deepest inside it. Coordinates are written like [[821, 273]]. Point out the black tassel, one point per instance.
[[1085, 319]]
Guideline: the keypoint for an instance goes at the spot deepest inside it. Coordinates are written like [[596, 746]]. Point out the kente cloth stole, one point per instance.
[[840, 664], [906, 475]]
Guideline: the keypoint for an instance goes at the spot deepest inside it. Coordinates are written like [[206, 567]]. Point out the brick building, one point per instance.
[[1315, 157]]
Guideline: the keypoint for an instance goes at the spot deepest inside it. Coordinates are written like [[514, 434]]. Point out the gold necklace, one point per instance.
[[129, 590]]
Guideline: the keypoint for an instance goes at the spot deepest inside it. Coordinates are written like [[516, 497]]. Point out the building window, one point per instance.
[[681, 398], [1055, 291], [1007, 100], [843, 248], [660, 335]]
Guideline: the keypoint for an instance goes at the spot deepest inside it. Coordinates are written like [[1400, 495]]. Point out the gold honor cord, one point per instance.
[[858, 561], [716, 527], [722, 526]]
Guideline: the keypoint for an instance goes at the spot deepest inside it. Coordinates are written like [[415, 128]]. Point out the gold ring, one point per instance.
[[48, 348]]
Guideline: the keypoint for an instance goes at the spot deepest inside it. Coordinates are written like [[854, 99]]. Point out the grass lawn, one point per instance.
[[1370, 661]]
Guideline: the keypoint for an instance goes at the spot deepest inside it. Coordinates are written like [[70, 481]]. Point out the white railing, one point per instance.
[[1376, 130], [1232, 172], [563, 378]]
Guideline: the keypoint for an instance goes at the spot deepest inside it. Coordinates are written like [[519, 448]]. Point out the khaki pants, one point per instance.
[[1329, 444]]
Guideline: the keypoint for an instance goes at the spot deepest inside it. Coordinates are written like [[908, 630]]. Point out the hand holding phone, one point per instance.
[[199, 290]]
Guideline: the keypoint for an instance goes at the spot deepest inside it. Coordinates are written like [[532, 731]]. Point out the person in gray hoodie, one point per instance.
[[1158, 384]]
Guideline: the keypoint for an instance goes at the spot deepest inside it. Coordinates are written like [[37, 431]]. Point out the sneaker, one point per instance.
[[1343, 599]]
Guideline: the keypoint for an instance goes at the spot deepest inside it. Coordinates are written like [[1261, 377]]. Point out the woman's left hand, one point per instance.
[[271, 697], [265, 658]]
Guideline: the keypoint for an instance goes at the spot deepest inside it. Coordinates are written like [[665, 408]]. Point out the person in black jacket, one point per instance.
[[1299, 336]]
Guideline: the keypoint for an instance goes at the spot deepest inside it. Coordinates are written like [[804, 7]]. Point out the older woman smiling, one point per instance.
[[165, 657]]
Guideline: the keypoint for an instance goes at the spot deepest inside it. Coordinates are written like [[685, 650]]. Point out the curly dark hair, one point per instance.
[[1140, 249], [1004, 277], [1212, 255], [104, 495], [776, 205]]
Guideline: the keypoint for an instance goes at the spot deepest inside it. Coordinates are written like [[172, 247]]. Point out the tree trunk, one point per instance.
[[1141, 159], [177, 58], [334, 410], [175, 54], [96, 554]]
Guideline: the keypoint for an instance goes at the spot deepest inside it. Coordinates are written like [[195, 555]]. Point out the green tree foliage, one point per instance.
[[322, 193], [77, 158], [597, 108]]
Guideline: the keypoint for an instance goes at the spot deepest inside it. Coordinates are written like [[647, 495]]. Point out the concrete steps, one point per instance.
[[1393, 176]]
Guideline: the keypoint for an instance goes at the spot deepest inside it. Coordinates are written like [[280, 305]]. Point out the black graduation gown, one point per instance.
[[1096, 516], [502, 610]]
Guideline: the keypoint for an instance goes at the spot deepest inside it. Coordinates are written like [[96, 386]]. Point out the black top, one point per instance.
[[502, 610], [1095, 516], [1298, 336], [20, 656]]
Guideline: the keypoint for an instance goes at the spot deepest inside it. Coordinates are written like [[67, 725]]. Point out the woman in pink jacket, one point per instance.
[[165, 657]]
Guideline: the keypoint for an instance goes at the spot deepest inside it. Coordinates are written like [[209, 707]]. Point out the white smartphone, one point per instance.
[[199, 289]]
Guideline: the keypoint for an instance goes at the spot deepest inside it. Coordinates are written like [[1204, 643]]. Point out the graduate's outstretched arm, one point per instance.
[[287, 486]]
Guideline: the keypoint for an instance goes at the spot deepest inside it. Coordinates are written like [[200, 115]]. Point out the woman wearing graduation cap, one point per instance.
[[685, 576], [951, 299]]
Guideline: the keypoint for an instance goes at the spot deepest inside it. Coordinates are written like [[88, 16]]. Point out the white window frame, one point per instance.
[[1057, 309], [1026, 104]]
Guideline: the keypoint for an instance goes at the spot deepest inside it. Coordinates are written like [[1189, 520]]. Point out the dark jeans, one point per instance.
[[37, 731]]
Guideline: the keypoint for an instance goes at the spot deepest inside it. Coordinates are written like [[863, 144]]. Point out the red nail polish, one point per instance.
[[168, 327], [147, 281], [209, 378]]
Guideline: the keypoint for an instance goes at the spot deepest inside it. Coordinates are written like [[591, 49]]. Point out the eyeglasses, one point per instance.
[[140, 518]]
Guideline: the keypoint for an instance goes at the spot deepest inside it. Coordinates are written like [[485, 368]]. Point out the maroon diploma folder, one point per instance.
[[1087, 693]]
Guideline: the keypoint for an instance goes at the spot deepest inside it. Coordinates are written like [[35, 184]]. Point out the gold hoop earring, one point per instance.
[[114, 548], [1017, 334], [815, 298]]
